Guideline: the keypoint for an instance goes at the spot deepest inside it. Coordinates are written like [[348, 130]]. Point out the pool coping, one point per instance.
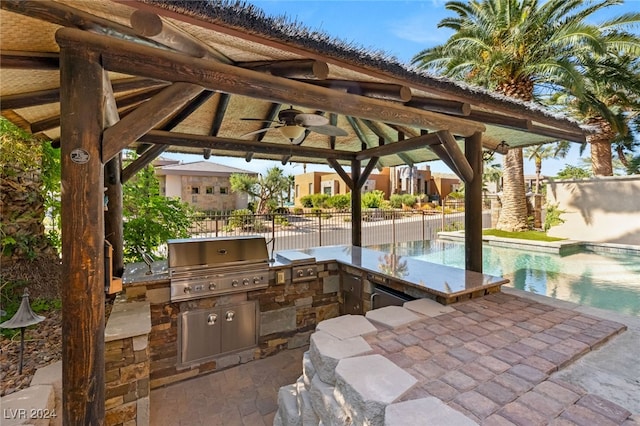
[[562, 248]]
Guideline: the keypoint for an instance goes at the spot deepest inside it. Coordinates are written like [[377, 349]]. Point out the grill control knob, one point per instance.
[[310, 272], [234, 283], [301, 273], [187, 289], [245, 281], [212, 286], [256, 280]]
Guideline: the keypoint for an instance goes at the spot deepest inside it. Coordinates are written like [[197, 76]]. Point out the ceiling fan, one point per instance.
[[292, 124]]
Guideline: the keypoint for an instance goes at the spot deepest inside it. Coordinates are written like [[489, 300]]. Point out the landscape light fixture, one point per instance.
[[24, 317]]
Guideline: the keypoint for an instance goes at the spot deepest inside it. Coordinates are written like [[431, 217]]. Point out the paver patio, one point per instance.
[[491, 359]]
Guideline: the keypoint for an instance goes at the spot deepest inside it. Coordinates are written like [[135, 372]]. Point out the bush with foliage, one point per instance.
[[399, 200], [573, 172], [552, 216], [151, 219], [298, 210], [373, 199], [314, 200], [339, 201], [241, 218]]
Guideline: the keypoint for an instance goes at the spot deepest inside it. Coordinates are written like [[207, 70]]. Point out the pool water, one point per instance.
[[601, 280]]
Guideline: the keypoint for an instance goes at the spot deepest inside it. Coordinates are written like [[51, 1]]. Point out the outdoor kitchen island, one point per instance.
[[304, 288]]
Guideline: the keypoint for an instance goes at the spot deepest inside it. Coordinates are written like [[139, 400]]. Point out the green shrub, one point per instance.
[[316, 211], [398, 200], [242, 218], [373, 199], [339, 201], [298, 210], [306, 201], [281, 220], [552, 217]]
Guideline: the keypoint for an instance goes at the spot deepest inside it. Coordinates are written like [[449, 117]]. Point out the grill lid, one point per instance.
[[214, 252]]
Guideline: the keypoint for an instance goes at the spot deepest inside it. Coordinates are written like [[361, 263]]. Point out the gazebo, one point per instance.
[[97, 77]]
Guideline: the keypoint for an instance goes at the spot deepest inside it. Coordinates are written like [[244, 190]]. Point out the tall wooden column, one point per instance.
[[81, 112], [473, 204], [356, 205], [114, 232]]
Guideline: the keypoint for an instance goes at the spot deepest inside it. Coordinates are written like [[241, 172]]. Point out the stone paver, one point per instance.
[[504, 362], [392, 316]]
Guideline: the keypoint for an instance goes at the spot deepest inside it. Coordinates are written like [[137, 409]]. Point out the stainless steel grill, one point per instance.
[[204, 267]]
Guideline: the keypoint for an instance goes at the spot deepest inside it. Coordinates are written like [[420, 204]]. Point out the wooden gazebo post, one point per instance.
[[82, 112], [473, 204]]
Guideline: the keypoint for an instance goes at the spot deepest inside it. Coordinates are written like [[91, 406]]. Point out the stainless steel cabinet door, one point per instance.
[[199, 334], [238, 326]]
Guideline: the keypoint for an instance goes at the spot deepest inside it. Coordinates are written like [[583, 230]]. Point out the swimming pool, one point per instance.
[[601, 280]]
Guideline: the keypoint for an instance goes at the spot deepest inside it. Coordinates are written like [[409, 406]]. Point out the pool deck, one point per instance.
[[510, 358]]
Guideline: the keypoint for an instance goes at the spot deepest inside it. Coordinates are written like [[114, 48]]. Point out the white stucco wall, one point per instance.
[[173, 186], [604, 209]]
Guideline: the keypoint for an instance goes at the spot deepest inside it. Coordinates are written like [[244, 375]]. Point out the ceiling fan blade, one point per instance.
[[260, 120], [255, 132], [328, 130], [308, 120]]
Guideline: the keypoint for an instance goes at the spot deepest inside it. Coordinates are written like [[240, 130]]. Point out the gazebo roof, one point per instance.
[[383, 105]]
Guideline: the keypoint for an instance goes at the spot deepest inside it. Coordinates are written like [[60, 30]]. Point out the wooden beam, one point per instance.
[[143, 161], [221, 110], [12, 59], [307, 69], [382, 135], [150, 25], [66, 16], [333, 120], [122, 101], [455, 153], [366, 172], [340, 171], [399, 147], [225, 144], [82, 203], [559, 134], [392, 92], [500, 120], [127, 57], [473, 205], [40, 97], [356, 206], [146, 117], [444, 106], [444, 157]]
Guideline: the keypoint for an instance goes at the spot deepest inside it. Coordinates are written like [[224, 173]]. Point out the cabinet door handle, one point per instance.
[[211, 319], [229, 315], [373, 297]]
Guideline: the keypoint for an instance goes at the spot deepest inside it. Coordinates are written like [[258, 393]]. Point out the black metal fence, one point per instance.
[[313, 229]]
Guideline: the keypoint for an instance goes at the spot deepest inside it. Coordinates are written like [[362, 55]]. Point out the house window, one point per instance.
[[224, 190], [195, 190], [327, 190], [310, 188], [297, 191], [209, 190]]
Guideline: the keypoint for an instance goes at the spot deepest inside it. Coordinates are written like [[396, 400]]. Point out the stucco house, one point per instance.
[[203, 184], [390, 180]]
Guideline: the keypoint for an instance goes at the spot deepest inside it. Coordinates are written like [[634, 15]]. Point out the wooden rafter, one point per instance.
[[393, 92], [367, 171], [30, 60], [146, 117], [306, 69], [445, 106], [395, 148], [340, 171], [385, 138], [126, 57], [40, 97], [237, 145], [151, 26], [455, 153]]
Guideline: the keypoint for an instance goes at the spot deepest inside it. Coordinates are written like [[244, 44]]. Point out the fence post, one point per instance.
[[320, 228], [393, 227], [215, 216], [423, 226]]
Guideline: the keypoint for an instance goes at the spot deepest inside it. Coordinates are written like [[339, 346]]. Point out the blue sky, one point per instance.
[[400, 28]]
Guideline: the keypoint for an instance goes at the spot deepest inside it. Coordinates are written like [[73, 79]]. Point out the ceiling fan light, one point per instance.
[[292, 132]]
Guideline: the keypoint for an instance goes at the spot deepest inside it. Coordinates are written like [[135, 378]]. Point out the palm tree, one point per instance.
[[537, 153], [611, 100], [519, 48]]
